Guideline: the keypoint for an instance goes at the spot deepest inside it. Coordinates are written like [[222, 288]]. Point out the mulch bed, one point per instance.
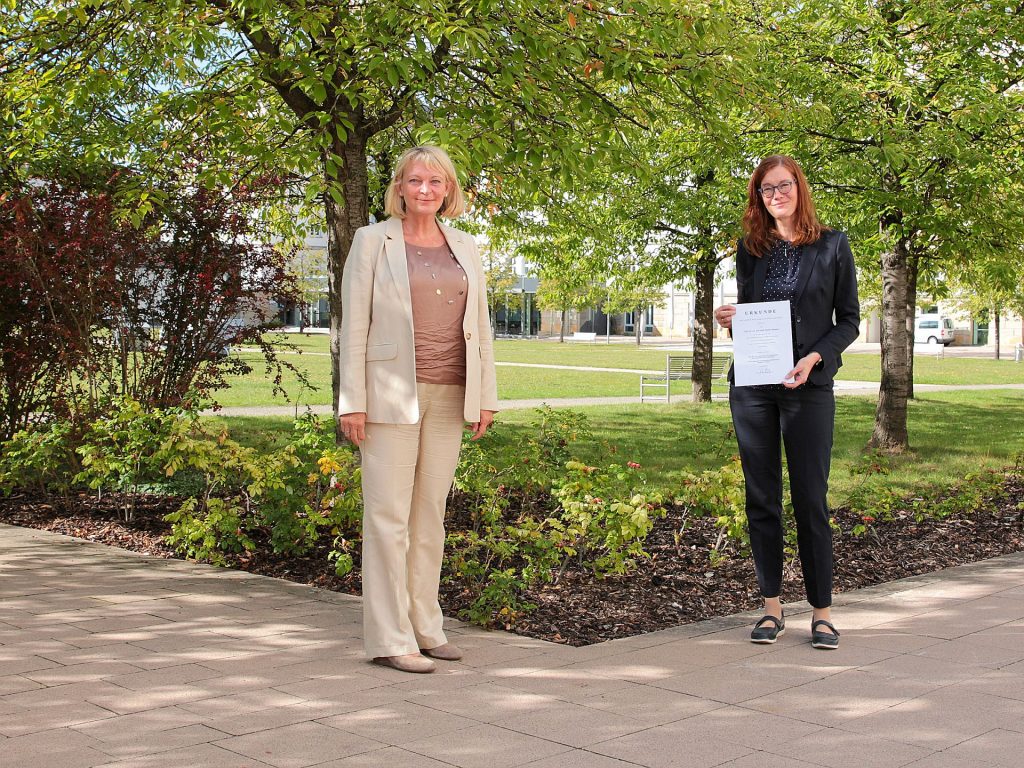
[[678, 585]]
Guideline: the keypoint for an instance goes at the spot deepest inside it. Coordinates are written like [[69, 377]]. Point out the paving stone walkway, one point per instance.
[[109, 658]]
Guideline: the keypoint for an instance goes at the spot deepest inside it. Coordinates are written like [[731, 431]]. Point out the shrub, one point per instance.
[[41, 459], [206, 533], [207, 279], [605, 516], [58, 242], [538, 514], [94, 307], [718, 493], [292, 496], [130, 445]]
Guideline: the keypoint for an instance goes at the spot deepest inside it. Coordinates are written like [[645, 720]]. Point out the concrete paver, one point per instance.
[[573, 724], [998, 747], [299, 745], [486, 746], [843, 749], [115, 660], [672, 745]]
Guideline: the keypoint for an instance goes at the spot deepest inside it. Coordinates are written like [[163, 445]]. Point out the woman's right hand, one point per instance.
[[723, 315], [353, 427]]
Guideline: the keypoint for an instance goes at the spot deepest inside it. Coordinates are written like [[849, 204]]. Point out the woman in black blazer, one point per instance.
[[787, 255]]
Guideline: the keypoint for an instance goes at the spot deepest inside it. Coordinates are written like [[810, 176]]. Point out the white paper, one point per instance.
[[762, 343]]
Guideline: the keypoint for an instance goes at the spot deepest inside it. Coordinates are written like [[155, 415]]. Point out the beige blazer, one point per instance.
[[378, 357]]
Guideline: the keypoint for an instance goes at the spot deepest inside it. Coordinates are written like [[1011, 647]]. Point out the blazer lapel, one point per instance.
[[394, 248], [807, 259]]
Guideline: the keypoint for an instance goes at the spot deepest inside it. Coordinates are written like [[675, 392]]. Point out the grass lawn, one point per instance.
[[988, 428], [863, 366], [519, 383], [532, 351], [257, 388], [951, 434], [514, 383], [307, 342]]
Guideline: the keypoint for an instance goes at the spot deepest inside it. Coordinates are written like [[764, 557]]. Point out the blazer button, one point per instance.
[[468, 335]]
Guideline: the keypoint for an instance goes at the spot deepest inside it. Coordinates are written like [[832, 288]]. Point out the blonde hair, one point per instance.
[[436, 159]]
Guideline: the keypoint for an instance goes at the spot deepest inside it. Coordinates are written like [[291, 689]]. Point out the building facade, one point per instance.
[[515, 313]]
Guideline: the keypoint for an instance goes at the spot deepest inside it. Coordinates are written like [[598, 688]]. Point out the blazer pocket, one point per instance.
[[381, 352]]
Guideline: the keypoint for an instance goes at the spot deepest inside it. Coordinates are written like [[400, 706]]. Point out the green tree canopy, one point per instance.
[[313, 88], [907, 116]]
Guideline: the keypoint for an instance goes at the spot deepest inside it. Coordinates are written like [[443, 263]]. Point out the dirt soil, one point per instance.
[[678, 585]]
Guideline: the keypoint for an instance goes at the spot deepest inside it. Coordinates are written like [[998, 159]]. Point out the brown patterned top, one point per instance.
[[438, 285]]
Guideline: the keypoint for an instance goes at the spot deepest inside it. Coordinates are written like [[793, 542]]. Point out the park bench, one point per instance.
[[583, 336], [678, 368]]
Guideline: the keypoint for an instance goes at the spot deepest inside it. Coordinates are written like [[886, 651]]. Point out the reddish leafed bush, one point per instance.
[[93, 307]]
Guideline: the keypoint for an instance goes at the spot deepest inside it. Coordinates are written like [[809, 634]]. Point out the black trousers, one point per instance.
[[804, 419]]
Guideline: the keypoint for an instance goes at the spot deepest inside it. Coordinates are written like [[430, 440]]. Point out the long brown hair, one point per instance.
[[759, 230]]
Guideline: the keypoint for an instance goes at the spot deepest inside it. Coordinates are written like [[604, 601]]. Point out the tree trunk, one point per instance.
[[638, 324], [703, 332], [383, 168], [890, 433], [342, 222], [913, 268], [995, 327], [561, 327]]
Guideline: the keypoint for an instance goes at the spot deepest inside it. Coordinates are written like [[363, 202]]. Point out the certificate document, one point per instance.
[[762, 343]]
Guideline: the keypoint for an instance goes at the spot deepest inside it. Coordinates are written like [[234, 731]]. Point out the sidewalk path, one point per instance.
[[109, 658]]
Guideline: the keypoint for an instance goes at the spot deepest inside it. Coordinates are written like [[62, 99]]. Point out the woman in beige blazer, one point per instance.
[[417, 364]]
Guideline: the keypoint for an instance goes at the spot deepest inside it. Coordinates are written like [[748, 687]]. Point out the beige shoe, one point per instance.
[[411, 662], [446, 652]]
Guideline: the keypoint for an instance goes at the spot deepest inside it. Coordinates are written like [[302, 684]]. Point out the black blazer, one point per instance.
[[827, 308]]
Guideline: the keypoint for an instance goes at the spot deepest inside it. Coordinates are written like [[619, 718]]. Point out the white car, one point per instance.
[[933, 329]]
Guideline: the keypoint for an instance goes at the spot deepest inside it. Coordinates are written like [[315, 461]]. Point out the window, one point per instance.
[[630, 324]]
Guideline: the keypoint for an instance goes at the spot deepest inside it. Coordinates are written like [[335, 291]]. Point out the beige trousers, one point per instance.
[[407, 473]]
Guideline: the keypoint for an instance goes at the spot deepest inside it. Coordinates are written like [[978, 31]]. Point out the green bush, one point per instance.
[[717, 493], [129, 445], [541, 512], [605, 516], [292, 496], [41, 459], [233, 495], [205, 529]]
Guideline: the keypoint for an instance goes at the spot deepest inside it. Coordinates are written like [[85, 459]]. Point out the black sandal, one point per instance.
[[768, 635], [826, 641]]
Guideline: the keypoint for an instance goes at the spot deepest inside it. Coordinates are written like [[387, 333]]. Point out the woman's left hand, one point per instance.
[[479, 428], [798, 376]]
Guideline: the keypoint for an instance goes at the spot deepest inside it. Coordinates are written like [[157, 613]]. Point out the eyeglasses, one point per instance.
[[784, 188]]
